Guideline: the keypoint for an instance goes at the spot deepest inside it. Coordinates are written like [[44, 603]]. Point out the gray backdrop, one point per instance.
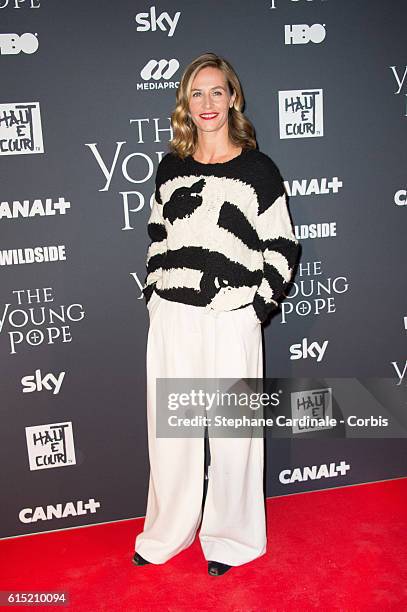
[[103, 76]]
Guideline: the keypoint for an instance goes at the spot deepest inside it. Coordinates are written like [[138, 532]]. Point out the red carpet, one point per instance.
[[340, 549]]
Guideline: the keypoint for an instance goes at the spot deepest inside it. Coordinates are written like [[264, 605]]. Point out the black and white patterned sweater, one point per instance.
[[221, 235]]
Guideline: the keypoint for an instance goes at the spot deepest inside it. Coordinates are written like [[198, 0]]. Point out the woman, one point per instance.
[[222, 251]]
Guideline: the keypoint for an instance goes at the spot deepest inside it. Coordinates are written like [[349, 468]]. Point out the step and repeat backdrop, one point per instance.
[[87, 90]]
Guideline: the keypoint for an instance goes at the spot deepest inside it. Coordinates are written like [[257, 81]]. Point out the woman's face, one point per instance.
[[209, 99]]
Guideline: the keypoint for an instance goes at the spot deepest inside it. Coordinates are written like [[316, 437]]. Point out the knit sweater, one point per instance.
[[221, 236]]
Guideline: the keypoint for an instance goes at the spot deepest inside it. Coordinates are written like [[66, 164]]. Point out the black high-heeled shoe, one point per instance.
[[139, 560], [216, 568]]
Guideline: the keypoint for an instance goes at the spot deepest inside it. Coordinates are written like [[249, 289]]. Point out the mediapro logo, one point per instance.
[[159, 69]]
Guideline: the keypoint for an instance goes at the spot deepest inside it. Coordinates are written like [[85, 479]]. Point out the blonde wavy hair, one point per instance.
[[185, 134]]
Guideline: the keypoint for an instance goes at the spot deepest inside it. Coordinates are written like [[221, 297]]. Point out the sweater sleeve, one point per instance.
[[278, 243], [158, 242]]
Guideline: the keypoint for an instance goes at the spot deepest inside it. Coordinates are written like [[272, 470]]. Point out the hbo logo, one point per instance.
[[11, 44], [300, 34]]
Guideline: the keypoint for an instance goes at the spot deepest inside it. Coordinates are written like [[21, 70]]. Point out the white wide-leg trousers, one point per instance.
[[192, 342]]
